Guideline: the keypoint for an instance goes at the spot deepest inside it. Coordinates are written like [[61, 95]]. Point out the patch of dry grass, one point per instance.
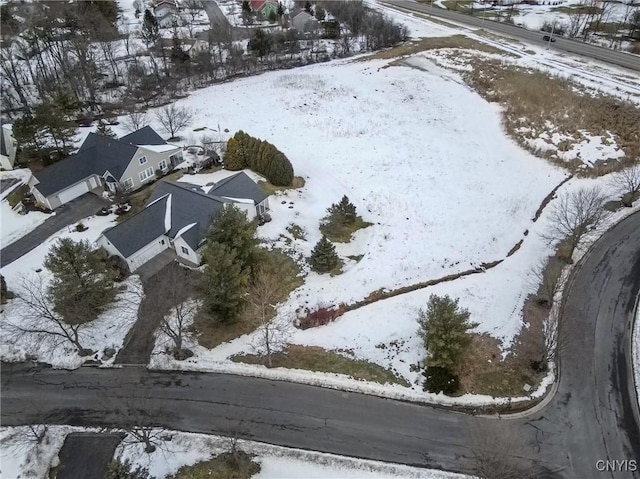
[[268, 188], [223, 466], [534, 100], [435, 43], [314, 358]]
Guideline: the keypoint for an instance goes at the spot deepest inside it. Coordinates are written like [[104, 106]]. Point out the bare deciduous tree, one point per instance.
[[175, 287], [265, 292], [546, 280], [627, 184], [141, 422], [39, 320], [135, 120], [174, 118], [575, 214]]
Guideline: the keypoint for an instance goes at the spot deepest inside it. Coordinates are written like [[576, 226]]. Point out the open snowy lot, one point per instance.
[[107, 331], [14, 225], [26, 459]]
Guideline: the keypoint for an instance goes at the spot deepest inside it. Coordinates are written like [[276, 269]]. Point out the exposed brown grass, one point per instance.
[[314, 358], [268, 188], [340, 232], [223, 466], [435, 43], [138, 198], [532, 98]]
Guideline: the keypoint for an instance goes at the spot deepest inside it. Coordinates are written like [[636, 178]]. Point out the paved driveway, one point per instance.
[[85, 205], [86, 455]]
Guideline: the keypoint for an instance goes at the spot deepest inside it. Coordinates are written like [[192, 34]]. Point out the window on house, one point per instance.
[[163, 165], [128, 184], [143, 160], [184, 250], [146, 174]]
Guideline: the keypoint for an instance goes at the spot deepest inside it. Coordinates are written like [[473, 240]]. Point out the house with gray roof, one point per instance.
[[177, 216], [303, 22], [104, 163], [7, 147]]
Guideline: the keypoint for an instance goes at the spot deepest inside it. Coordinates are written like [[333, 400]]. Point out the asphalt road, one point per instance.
[[593, 415], [615, 57]]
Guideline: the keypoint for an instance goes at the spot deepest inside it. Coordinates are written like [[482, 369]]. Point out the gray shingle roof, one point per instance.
[[144, 136], [238, 186], [188, 206], [139, 230], [97, 155]]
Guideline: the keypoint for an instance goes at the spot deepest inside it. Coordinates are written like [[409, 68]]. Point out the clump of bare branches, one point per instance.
[[546, 280], [627, 184], [174, 118], [135, 120], [575, 215]]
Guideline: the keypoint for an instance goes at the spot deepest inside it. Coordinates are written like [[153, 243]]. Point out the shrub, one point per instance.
[[439, 380], [321, 316], [244, 151], [81, 227], [324, 258]]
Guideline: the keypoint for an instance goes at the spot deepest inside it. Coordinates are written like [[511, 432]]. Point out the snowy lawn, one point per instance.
[[107, 331], [15, 225], [275, 462]]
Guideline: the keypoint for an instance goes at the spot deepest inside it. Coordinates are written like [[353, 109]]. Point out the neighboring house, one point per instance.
[[7, 148], [166, 12], [303, 22], [265, 7], [105, 163], [177, 216]]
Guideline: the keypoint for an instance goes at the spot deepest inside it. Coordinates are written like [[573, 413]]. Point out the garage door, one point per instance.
[[150, 251], [73, 192]]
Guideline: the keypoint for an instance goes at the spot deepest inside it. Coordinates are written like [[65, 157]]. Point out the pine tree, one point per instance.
[[343, 212], [444, 329], [320, 13], [261, 43], [324, 258], [246, 7], [280, 9], [105, 130], [224, 283], [231, 227], [150, 30], [82, 283]]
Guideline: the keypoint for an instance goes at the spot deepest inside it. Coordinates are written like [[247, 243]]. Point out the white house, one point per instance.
[[177, 216], [7, 147], [103, 162]]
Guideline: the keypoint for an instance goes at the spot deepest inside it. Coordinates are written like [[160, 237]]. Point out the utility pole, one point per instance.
[[553, 26]]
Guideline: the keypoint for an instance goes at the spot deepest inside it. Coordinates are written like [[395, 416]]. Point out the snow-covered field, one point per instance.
[[20, 459], [14, 225], [107, 331]]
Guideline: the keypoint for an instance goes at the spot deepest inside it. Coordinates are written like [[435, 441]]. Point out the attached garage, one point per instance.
[[73, 192], [150, 251]]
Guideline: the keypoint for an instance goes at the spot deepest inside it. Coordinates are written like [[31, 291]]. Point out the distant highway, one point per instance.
[[614, 57]]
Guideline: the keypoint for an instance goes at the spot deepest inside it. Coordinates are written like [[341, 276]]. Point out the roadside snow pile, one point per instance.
[[23, 456], [105, 332], [13, 224], [275, 462]]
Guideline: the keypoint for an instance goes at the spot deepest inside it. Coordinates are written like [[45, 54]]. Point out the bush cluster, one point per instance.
[[245, 151]]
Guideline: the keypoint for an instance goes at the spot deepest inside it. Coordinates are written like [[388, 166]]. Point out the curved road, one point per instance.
[[615, 57], [593, 416]]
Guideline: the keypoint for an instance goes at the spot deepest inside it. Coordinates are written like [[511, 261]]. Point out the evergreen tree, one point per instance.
[[280, 9], [82, 283], [124, 470], [320, 13], [30, 137], [105, 130], [224, 282], [261, 43], [150, 30], [231, 227], [273, 16], [343, 212], [324, 258], [444, 329], [307, 8], [246, 7]]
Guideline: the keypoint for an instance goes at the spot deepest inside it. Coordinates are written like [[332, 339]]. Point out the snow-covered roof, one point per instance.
[[160, 148]]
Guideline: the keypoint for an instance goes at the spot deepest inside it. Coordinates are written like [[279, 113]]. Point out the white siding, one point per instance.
[[191, 256], [5, 164], [40, 198], [248, 207], [73, 192], [147, 252], [106, 244]]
